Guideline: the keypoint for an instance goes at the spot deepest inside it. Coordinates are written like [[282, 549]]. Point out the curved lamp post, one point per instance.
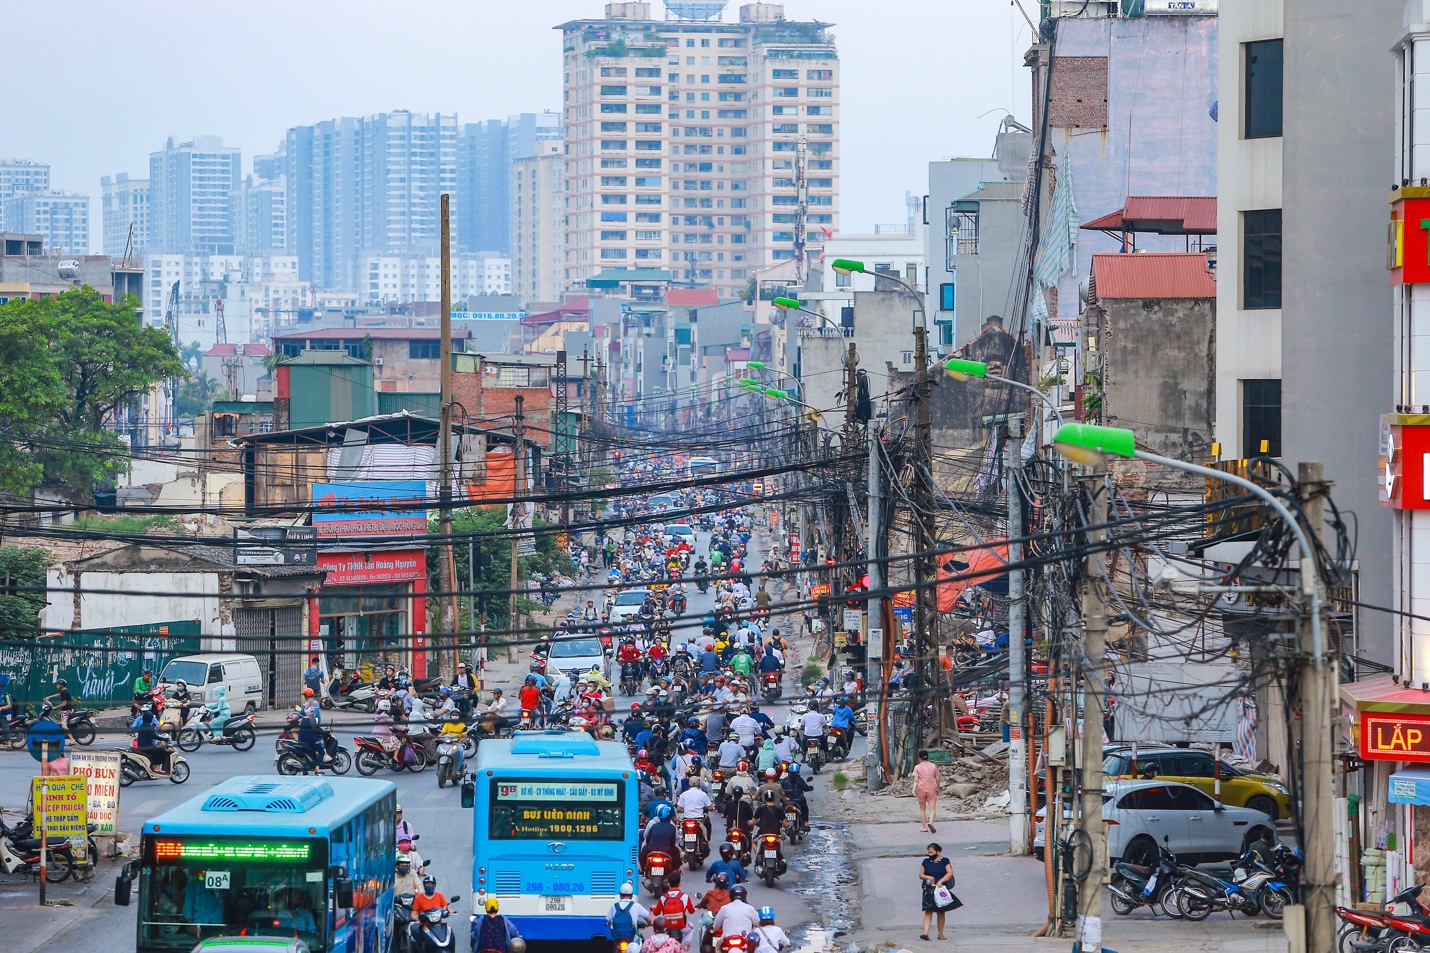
[[790, 304], [961, 370], [848, 266]]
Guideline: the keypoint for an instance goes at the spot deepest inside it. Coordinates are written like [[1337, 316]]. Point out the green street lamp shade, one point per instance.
[[846, 265], [961, 370], [748, 383], [784, 304], [757, 365], [776, 393], [1089, 444]]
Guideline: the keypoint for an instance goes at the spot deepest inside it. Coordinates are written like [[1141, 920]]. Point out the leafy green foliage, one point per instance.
[[135, 525], [196, 395], [22, 590], [494, 576], [66, 365]]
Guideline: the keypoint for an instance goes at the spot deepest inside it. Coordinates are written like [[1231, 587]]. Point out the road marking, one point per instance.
[[436, 794]]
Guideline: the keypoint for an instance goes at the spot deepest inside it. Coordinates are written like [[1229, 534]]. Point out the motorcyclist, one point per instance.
[[771, 938], [661, 836], [150, 742], [660, 940], [1263, 848], [695, 805], [493, 933], [674, 905], [182, 697], [842, 717], [767, 757], [406, 879], [626, 915], [222, 713], [727, 866], [770, 815], [694, 736], [634, 724], [8, 709], [771, 787], [731, 751], [811, 725], [737, 917], [143, 691], [429, 899], [770, 662], [786, 747], [310, 732], [718, 895], [795, 788], [313, 675]]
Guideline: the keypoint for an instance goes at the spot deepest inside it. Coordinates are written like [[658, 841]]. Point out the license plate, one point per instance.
[[657, 871], [771, 854], [689, 841], [555, 904]]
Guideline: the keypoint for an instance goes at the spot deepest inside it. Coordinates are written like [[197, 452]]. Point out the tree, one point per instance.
[[56, 400], [22, 591], [191, 355], [196, 395]]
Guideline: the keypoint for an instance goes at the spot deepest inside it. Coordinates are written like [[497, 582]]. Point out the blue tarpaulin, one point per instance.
[[1411, 786]]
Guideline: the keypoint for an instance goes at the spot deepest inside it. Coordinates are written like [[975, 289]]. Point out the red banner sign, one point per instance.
[[1394, 737], [1404, 461], [360, 569]]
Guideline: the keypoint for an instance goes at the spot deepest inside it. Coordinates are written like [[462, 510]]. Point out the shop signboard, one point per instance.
[[368, 568], [65, 801], [275, 546], [100, 769], [1404, 461], [370, 508], [1394, 736]]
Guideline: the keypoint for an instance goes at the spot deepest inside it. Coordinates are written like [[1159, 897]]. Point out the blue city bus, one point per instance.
[[554, 832], [264, 855]]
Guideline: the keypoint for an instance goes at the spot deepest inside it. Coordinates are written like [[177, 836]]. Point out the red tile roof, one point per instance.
[[691, 297], [1138, 275], [1163, 214], [228, 350]]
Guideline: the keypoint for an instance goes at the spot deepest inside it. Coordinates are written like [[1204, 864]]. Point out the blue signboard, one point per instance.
[[391, 510], [904, 614], [44, 731]]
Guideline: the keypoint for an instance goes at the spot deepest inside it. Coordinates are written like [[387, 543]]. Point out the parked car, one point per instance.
[[1139, 814], [1239, 787], [628, 605], [238, 674]]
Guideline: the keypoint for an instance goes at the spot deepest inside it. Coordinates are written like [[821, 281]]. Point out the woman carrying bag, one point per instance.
[[936, 875]]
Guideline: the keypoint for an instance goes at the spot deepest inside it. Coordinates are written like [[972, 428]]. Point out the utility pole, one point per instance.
[[1017, 651], [1317, 680], [874, 644], [925, 570], [446, 566], [1094, 686], [518, 519]]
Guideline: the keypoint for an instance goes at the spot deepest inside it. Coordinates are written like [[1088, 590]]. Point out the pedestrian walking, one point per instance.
[[926, 790], [936, 873]]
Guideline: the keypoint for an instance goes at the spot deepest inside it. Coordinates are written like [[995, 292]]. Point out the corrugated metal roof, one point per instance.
[[1138, 275], [1162, 214], [229, 350], [377, 334]]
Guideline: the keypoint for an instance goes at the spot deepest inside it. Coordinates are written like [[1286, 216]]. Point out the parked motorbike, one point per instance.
[[695, 845], [769, 858], [136, 765], [16, 734], [430, 933], [1262, 881], [348, 696], [1134, 886], [1372, 931], [1199, 894], [449, 760], [372, 756], [22, 856], [238, 733]]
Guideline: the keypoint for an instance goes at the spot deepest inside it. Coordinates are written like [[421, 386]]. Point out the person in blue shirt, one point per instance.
[[695, 737], [643, 739], [727, 865], [770, 662], [633, 725], [842, 716], [709, 661], [767, 726], [147, 734]]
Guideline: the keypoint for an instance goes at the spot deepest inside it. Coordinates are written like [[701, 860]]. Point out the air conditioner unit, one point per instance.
[[377, 362]]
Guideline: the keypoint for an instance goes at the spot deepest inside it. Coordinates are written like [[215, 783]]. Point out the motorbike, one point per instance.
[[658, 668], [372, 757], [1200, 894], [740, 840], [630, 678], [17, 733], [769, 858], [135, 765], [538, 663], [22, 856], [795, 823], [238, 733], [336, 758], [429, 932], [449, 758], [1372, 931], [658, 866], [771, 684], [401, 921], [678, 603], [1134, 886], [79, 724], [813, 756], [1263, 883], [718, 785], [347, 696], [838, 743], [694, 843]]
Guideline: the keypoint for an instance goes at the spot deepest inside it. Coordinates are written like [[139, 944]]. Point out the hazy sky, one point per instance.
[[108, 82]]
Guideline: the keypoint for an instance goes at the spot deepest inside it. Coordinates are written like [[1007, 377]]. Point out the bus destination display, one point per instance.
[[564, 810]]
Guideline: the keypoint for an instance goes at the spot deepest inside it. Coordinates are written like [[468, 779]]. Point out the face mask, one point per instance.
[[429, 889]]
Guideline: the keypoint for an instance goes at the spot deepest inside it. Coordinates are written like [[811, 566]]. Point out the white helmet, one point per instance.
[[384, 705]]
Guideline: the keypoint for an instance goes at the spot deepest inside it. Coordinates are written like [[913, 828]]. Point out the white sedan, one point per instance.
[[1142, 814]]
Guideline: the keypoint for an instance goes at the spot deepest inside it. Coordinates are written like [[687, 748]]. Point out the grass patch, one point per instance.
[[839, 781], [810, 673], [138, 525]]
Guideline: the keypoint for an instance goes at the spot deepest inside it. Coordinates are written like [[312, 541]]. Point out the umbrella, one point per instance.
[[986, 567]]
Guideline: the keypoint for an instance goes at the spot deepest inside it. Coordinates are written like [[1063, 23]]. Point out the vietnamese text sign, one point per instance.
[[1394, 737], [64, 813], [555, 791], [488, 315], [388, 508], [853, 620], [359, 569], [100, 769]]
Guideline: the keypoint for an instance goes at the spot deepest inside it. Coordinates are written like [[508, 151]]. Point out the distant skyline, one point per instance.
[[921, 79]]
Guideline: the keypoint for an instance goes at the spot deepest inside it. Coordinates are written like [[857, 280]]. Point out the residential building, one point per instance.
[[237, 367], [366, 186], [61, 217], [18, 177], [31, 269], [537, 223], [192, 186], [394, 279], [687, 139], [1293, 138], [485, 154], [255, 295], [124, 206], [403, 359], [261, 208]]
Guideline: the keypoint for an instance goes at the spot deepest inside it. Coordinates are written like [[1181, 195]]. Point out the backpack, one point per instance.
[[623, 923], [676, 917]]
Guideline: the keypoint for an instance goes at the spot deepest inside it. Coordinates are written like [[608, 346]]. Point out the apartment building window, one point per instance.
[[945, 297], [647, 72], [786, 128], [1263, 69], [825, 74], [1260, 417], [787, 92], [647, 109], [1261, 259], [613, 107], [610, 180], [819, 110], [784, 74], [821, 128], [613, 163], [613, 127], [613, 236], [613, 90], [821, 92], [424, 350]]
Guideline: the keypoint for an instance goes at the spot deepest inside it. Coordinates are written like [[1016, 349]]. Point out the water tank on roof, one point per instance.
[[68, 268]]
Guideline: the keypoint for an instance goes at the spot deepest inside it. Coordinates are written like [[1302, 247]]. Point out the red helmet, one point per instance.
[[744, 766]]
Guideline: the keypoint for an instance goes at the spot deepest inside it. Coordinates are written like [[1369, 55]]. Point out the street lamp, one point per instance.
[[848, 266], [961, 370], [814, 412], [790, 304]]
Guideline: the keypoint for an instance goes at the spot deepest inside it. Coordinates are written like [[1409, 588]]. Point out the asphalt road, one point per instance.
[[95, 925]]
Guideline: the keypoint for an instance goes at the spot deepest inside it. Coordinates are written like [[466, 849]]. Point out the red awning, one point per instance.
[[982, 567], [1383, 693]]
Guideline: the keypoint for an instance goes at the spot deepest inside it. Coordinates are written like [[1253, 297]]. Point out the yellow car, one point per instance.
[[1239, 787]]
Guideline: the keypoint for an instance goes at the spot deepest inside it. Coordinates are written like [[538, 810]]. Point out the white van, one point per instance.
[[575, 657], [238, 674]]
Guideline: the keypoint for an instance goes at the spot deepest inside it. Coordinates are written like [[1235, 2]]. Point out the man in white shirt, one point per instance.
[[811, 725], [786, 747], [737, 917], [695, 805], [494, 715], [747, 728]]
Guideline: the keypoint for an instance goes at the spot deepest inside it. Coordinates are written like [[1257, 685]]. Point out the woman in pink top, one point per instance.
[[926, 790]]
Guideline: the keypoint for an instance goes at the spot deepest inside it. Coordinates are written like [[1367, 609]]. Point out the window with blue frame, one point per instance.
[[945, 296]]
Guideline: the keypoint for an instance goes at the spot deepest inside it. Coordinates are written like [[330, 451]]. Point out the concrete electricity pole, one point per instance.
[[518, 511], [1017, 653], [874, 691], [925, 570], [1094, 686], [447, 566]]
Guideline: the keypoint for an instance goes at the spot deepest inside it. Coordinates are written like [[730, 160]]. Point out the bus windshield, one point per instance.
[[193, 888], [565, 809]]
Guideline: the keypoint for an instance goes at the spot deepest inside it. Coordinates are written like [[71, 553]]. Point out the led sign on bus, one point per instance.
[[173, 851], [556, 810]]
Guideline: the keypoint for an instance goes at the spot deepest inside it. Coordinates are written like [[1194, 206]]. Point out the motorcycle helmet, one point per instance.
[[516, 945], [178, 683], [794, 769], [694, 723], [663, 812], [658, 924], [384, 705], [769, 797], [307, 693], [492, 907], [743, 766], [722, 881], [727, 850], [628, 889], [771, 774], [767, 914], [403, 860], [738, 892], [445, 690], [429, 885], [643, 755]]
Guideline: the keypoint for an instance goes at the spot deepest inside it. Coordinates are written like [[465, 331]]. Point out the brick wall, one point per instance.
[[483, 403], [1078, 99]]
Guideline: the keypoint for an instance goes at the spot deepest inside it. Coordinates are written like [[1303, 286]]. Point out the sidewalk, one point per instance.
[[1004, 897]]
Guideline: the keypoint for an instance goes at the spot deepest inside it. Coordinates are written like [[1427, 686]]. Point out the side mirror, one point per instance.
[[454, 898], [416, 838], [343, 893], [469, 791], [1218, 807]]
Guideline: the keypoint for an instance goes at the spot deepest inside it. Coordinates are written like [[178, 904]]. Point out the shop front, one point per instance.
[[372, 609], [1383, 842]]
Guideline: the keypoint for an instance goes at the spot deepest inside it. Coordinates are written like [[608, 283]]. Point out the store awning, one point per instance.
[[1385, 694], [1411, 786]]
